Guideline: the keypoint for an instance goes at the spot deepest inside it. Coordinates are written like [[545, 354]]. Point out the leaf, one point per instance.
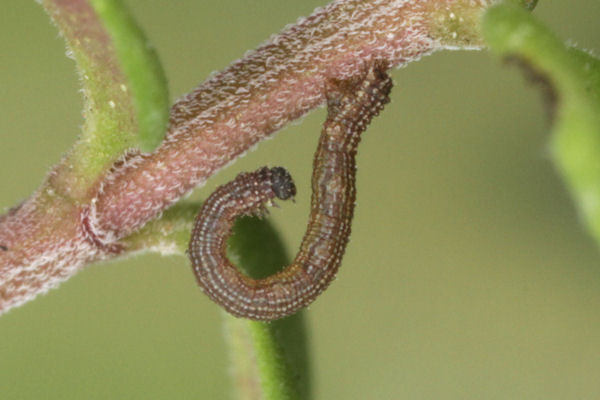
[[571, 79]]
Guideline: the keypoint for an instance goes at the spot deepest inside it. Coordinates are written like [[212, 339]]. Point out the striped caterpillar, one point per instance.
[[351, 104]]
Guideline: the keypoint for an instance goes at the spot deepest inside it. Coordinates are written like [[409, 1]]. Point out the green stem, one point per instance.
[[125, 90], [142, 68], [571, 79], [269, 360], [279, 348]]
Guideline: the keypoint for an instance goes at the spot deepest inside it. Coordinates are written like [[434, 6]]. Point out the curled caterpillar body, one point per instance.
[[351, 105]]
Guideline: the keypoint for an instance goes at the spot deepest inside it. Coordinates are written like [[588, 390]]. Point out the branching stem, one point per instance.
[[69, 223]]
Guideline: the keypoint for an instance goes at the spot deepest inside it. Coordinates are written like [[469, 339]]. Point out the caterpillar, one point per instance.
[[351, 104]]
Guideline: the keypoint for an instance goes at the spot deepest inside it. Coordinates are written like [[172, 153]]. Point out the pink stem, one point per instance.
[[256, 96], [51, 236]]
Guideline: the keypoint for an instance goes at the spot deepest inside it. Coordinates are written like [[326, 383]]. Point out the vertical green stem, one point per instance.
[[269, 360]]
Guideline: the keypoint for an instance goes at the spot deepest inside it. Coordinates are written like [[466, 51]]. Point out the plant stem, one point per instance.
[[269, 360], [273, 85], [106, 191]]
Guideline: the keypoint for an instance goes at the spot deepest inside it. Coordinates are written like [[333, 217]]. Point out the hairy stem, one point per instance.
[[279, 82], [80, 217]]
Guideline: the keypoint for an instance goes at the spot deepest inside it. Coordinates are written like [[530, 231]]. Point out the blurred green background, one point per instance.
[[468, 275]]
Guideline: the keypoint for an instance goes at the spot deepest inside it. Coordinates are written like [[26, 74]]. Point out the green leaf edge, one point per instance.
[[142, 68], [574, 76]]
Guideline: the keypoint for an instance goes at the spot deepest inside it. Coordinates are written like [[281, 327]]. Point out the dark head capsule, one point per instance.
[[283, 185]]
